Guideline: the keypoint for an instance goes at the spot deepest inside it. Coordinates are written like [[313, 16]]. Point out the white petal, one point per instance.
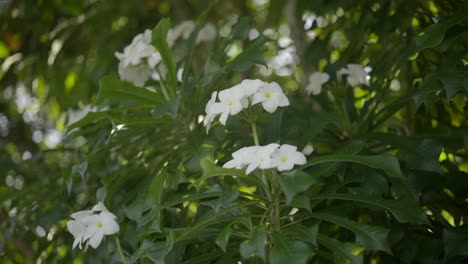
[[75, 228], [223, 118], [231, 164], [270, 106], [283, 100], [96, 239], [251, 168], [258, 97], [99, 207]]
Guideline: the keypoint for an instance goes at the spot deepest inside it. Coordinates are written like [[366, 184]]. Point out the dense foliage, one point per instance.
[[377, 89]]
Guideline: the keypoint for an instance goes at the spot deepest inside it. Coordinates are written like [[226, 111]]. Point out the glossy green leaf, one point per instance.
[[285, 250], [255, 246], [295, 182], [304, 233], [370, 237], [159, 41], [403, 210], [342, 251], [110, 87], [387, 163], [223, 238]]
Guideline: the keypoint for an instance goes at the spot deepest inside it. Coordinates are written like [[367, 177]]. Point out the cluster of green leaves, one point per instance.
[[386, 183]]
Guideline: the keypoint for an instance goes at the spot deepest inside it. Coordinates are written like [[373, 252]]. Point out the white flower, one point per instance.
[[77, 227], [139, 49], [86, 225], [212, 110], [308, 149], [183, 30], [136, 74], [262, 158], [286, 157], [230, 103], [271, 96], [207, 33], [99, 225], [356, 74], [242, 158], [316, 80]]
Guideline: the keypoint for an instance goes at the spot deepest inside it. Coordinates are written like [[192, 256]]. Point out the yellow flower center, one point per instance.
[[284, 159], [99, 225], [230, 103], [268, 95]]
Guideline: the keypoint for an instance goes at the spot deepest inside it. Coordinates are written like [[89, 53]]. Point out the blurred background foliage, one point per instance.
[[53, 54]]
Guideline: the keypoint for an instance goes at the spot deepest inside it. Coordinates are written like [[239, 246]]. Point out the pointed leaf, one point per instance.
[[159, 35], [285, 250], [343, 252], [255, 246], [295, 182], [370, 237], [110, 87], [223, 238], [387, 163]]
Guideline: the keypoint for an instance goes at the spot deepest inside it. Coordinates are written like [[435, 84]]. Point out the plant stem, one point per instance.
[[119, 249], [163, 87], [254, 133]]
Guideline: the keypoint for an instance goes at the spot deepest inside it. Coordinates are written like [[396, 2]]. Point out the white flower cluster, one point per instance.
[[92, 225], [238, 97], [271, 156], [139, 60], [356, 75]]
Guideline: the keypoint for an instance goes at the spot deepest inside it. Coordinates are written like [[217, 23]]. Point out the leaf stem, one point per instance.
[[119, 249]]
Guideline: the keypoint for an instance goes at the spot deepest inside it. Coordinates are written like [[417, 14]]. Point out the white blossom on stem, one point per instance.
[[286, 157], [271, 96], [356, 74], [316, 80]]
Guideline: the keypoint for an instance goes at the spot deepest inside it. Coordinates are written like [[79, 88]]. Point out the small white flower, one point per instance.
[[356, 74], [207, 33], [271, 96], [99, 225], [242, 158], [262, 159], [230, 103], [135, 74], [182, 30], [139, 49], [286, 157], [212, 109], [308, 149], [316, 80], [86, 225]]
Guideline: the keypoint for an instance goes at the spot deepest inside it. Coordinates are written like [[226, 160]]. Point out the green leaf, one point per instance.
[[211, 170], [370, 237], [223, 238], [110, 87], [159, 35], [321, 119], [79, 169], [304, 233], [418, 153], [156, 188], [387, 163], [240, 30], [295, 182], [210, 70], [169, 108], [455, 243], [403, 210], [181, 198], [253, 54], [90, 117], [157, 254], [434, 34], [343, 252], [227, 197], [285, 250], [255, 246]]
